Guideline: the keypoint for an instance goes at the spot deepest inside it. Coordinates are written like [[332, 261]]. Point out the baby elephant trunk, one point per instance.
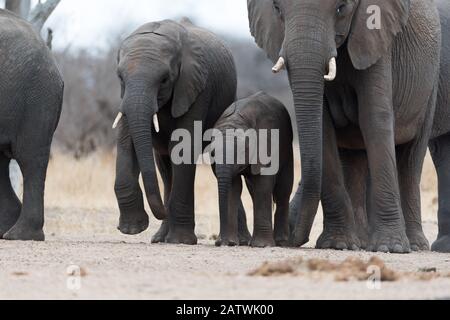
[[225, 181]]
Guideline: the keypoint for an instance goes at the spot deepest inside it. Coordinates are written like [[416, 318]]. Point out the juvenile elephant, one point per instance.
[[381, 100], [247, 127], [31, 94], [176, 74]]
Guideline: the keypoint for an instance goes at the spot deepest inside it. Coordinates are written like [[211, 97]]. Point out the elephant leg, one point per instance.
[[181, 206], [261, 190], [410, 159], [244, 234], [10, 205], [165, 168], [339, 225], [133, 217], [33, 164], [229, 225], [356, 173], [377, 123], [440, 151], [282, 195]]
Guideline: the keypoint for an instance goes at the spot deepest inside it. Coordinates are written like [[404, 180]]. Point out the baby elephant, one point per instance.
[[253, 138]]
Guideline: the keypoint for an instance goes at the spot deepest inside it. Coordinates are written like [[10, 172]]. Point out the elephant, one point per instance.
[[31, 91], [239, 128], [365, 77], [176, 74], [357, 176], [440, 143]]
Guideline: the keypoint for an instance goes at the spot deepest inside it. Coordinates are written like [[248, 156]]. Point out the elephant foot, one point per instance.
[[284, 243], [363, 236], [134, 223], [418, 241], [244, 238], [297, 238], [7, 221], [228, 241], [21, 232], [442, 245], [181, 235], [161, 235], [392, 241], [282, 240], [262, 241], [338, 239], [363, 241]]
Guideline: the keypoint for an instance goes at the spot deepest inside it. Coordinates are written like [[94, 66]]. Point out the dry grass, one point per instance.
[[86, 183]]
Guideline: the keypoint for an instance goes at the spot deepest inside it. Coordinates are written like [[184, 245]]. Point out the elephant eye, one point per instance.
[[165, 80], [341, 9], [276, 7]]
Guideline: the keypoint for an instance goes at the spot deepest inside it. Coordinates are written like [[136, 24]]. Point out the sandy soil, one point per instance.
[[113, 266], [118, 267]]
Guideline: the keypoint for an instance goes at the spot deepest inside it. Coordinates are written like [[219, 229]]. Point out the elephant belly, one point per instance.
[[351, 137]]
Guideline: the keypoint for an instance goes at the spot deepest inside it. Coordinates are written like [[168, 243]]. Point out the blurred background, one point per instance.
[[85, 36]]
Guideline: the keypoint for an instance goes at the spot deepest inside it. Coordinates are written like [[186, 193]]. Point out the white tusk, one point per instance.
[[332, 69], [116, 122], [279, 65], [156, 122]]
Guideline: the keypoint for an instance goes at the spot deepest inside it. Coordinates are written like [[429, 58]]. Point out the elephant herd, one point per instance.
[[371, 87]]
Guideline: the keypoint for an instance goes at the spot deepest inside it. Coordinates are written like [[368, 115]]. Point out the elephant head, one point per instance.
[[159, 66], [304, 36]]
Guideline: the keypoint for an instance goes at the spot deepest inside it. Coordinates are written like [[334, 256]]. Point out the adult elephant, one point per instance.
[[380, 99], [31, 95], [176, 74], [440, 143]]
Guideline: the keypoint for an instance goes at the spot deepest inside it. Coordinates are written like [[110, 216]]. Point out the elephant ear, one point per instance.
[[229, 112], [193, 75], [367, 43], [266, 27]]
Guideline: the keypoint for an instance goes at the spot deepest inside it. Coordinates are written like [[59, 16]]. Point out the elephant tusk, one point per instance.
[[156, 122], [116, 122], [332, 69], [279, 65]]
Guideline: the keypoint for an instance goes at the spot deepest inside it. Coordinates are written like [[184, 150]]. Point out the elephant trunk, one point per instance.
[[225, 179], [139, 110], [307, 67]]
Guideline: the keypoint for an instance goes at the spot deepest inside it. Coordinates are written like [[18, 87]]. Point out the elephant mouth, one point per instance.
[[120, 116], [332, 68]]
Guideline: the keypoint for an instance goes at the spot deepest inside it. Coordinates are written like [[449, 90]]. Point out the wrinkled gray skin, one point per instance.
[[356, 172], [382, 102], [440, 144], [183, 74], [357, 175], [258, 112], [31, 93]]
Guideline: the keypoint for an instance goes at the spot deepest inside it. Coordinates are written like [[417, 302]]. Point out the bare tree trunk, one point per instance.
[[19, 7], [40, 14]]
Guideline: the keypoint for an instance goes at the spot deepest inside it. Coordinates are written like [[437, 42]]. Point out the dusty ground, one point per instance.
[[113, 266]]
